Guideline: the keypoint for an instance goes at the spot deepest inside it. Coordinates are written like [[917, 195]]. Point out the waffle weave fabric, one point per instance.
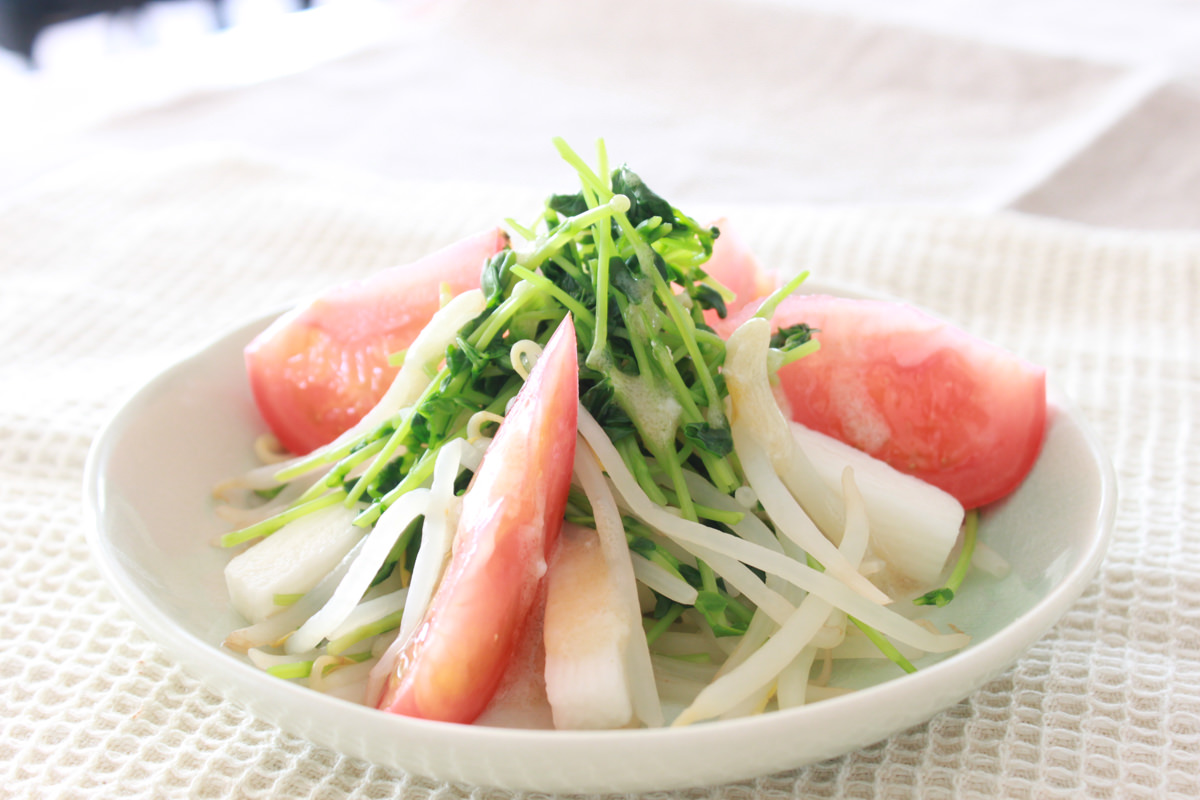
[[111, 273]]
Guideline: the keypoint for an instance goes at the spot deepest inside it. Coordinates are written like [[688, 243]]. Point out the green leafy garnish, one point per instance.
[[627, 266]]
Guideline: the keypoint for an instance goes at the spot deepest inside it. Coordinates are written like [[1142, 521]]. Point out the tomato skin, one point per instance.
[[321, 366], [918, 393], [510, 522], [734, 266]]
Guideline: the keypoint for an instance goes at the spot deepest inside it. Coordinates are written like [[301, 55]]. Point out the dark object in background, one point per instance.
[[22, 20]]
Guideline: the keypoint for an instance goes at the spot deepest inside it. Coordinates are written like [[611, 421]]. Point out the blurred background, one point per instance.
[[68, 67], [1087, 110]]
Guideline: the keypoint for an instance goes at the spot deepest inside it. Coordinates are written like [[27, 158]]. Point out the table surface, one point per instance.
[[1026, 168]]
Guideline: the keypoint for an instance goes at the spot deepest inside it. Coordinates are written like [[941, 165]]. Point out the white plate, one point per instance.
[[147, 489]]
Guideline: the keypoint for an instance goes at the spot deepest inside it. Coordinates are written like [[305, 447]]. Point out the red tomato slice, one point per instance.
[[918, 393], [735, 267], [511, 518], [320, 367]]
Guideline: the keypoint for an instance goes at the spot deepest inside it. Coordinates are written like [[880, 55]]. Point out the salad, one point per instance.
[[600, 470]]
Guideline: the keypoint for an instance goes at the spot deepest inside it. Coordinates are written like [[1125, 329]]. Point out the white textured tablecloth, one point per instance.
[[110, 274]]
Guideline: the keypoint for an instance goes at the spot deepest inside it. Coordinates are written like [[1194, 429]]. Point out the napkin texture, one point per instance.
[[111, 272]]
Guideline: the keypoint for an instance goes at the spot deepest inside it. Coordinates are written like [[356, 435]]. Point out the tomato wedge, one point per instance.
[[318, 368], [922, 395], [734, 266], [511, 517]]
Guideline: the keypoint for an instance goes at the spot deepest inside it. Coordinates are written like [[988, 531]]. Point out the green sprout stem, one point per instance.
[[582, 314], [767, 309], [268, 526], [661, 625], [943, 595], [885, 646], [382, 625], [570, 228], [303, 669]]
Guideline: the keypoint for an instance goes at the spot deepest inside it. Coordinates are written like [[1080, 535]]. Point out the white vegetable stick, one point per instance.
[[855, 542], [395, 581], [523, 355], [858, 524], [644, 695], [672, 547], [694, 534], [376, 546], [477, 421], [790, 517], [265, 661], [380, 643], [773, 597], [274, 629], [472, 455], [587, 630], [914, 525], [348, 675], [834, 627], [290, 561]]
